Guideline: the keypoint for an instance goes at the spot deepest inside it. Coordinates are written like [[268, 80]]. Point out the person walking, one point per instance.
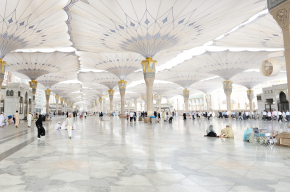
[[38, 124], [69, 124], [16, 116], [29, 118], [85, 115], [287, 115], [280, 116]]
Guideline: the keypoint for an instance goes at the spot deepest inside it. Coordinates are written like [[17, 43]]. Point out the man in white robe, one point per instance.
[[57, 126], [29, 118], [2, 120]]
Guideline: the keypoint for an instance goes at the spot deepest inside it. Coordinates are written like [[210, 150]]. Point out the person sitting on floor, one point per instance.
[[210, 132], [57, 126], [227, 132]]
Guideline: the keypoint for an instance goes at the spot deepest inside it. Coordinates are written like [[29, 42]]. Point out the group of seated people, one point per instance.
[[225, 133]]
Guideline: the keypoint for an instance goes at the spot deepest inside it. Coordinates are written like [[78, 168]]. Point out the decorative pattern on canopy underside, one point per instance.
[[206, 87], [35, 23], [251, 79], [108, 79], [262, 32], [184, 79], [225, 64], [53, 78], [120, 64], [34, 65], [148, 27]]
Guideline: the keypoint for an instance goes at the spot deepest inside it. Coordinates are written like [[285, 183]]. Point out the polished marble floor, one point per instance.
[[117, 156]]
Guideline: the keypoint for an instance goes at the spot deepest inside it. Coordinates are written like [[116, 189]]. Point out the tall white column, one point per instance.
[[101, 104], [122, 88], [149, 68], [186, 96], [208, 102], [281, 13], [111, 95], [250, 95], [3, 65], [56, 103], [228, 91], [33, 85], [135, 105], [47, 95], [61, 104]]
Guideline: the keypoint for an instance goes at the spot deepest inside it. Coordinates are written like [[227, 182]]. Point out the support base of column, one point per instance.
[[122, 116], [147, 120]]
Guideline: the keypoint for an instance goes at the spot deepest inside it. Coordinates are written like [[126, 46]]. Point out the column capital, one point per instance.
[[228, 86], [149, 65], [186, 93], [280, 9], [61, 99], [3, 66], [47, 93], [250, 94], [111, 92], [100, 99], [56, 97], [33, 84], [122, 84]]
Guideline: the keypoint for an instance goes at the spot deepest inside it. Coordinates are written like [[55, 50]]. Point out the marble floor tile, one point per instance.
[[117, 156]]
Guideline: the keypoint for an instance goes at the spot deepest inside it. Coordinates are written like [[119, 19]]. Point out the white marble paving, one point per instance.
[[119, 156]]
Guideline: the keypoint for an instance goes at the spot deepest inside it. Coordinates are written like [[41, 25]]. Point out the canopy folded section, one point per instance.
[[53, 78], [184, 79], [120, 64], [31, 24], [225, 64], [252, 79], [264, 32], [107, 79], [34, 65], [149, 27]]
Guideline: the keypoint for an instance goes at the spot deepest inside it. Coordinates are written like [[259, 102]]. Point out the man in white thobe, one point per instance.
[[2, 120], [29, 118], [69, 124]]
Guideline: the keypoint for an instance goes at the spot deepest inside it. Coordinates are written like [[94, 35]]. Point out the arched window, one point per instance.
[[7, 93], [11, 93], [282, 97]]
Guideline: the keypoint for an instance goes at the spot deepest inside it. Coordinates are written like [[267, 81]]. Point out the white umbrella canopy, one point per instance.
[[107, 79], [252, 79], [96, 86], [31, 24], [65, 88], [206, 87], [225, 64], [53, 78], [141, 88], [148, 27], [161, 88], [260, 33], [34, 65], [120, 64], [184, 79]]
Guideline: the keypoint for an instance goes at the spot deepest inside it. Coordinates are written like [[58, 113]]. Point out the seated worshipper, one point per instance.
[[210, 132], [227, 132], [63, 126], [57, 126]]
